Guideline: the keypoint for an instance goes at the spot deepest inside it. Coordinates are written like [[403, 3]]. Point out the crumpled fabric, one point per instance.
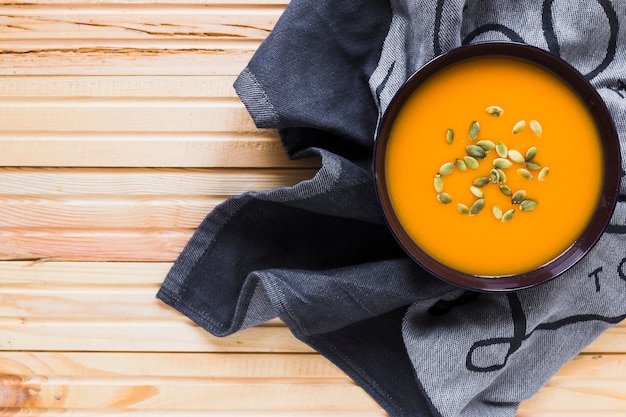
[[319, 256]]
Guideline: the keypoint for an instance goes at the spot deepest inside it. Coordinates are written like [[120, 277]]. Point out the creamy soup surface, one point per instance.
[[431, 201]]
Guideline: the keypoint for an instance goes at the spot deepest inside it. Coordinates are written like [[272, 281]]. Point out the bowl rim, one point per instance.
[[610, 152]]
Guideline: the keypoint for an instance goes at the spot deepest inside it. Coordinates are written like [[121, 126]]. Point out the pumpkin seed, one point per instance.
[[494, 176], [502, 150], [449, 136], [487, 145], [508, 215], [531, 153], [524, 173], [476, 191], [519, 126], [462, 208], [471, 162], [516, 156], [502, 163], [495, 111], [474, 130], [502, 176], [481, 181], [497, 211], [447, 168], [461, 165], [518, 197], [444, 198], [528, 205], [438, 183], [535, 126], [477, 206], [543, 173], [506, 190], [475, 151], [533, 165]]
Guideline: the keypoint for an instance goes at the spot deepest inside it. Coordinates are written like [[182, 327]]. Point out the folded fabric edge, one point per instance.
[[256, 101]]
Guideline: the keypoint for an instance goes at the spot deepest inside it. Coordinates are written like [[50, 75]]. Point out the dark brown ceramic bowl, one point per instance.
[[610, 181]]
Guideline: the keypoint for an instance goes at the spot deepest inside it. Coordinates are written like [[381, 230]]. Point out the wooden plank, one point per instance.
[[93, 245], [143, 181], [83, 86], [179, 382], [115, 212], [612, 340], [125, 116], [132, 367], [73, 274], [90, 302], [139, 335], [80, 24], [222, 60], [286, 396], [191, 150]]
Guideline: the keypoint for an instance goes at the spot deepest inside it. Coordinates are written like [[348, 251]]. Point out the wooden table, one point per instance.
[[119, 132]]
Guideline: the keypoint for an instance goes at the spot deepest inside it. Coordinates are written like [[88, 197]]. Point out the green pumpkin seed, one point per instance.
[[508, 215], [528, 205], [462, 208], [444, 198], [518, 197], [447, 168], [474, 130], [506, 190], [481, 181], [477, 191], [519, 126], [502, 150], [497, 211], [535, 126], [438, 183], [471, 162], [524, 173], [495, 111], [543, 173], [449, 136], [502, 163], [531, 153], [533, 165], [475, 151], [494, 176], [487, 145], [461, 165], [477, 206], [502, 176], [516, 156]]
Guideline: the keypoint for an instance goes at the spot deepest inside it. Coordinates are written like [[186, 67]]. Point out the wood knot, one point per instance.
[[15, 394]]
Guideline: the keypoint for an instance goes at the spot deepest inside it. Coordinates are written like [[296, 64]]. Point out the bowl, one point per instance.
[[497, 166]]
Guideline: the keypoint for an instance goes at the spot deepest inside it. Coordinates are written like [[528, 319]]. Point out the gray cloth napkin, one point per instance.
[[318, 254]]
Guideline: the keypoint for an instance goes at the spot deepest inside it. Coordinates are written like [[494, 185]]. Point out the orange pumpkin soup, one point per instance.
[[522, 201]]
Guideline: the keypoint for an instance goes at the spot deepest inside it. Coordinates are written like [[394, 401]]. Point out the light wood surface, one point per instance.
[[119, 132]]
